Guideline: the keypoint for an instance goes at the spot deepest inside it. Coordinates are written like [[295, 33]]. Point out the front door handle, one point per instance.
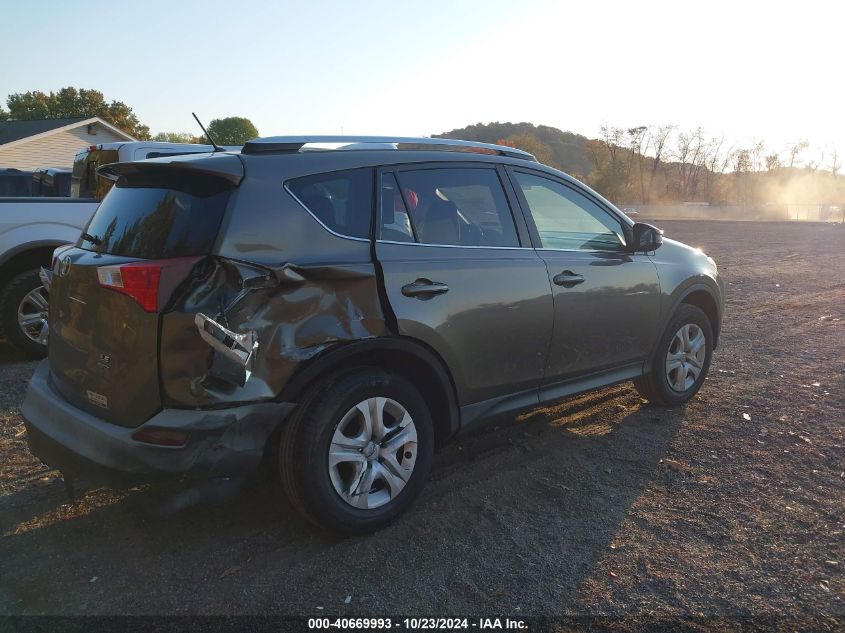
[[567, 279], [424, 289]]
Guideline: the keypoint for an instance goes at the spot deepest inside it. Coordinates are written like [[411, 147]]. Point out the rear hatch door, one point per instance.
[[109, 291]]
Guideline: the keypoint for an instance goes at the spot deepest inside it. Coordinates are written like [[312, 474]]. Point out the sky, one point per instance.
[[747, 70]]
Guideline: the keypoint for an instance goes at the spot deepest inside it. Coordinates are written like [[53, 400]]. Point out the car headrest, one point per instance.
[[440, 225], [388, 216]]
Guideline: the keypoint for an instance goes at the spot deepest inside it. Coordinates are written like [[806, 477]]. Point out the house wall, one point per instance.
[[54, 150]]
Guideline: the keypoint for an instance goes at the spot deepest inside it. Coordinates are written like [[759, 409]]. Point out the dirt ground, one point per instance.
[[730, 510]]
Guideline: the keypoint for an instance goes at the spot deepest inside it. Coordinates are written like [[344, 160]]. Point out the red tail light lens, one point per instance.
[[141, 280]]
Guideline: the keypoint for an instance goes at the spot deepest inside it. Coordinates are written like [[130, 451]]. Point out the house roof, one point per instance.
[[14, 131]]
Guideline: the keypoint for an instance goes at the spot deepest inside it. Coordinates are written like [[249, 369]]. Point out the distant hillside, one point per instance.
[[665, 165], [567, 150]]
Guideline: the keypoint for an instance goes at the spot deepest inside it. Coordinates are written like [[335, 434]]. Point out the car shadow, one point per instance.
[[11, 354], [526, 507]]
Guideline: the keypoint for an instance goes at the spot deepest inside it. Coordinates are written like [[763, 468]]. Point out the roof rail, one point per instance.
[[282, 144]]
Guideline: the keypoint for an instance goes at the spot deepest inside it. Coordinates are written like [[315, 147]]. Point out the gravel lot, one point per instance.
[[731, 507]]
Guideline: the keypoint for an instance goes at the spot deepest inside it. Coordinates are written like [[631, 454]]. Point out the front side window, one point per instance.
[[341, 200], [448, 206], [567, 220]]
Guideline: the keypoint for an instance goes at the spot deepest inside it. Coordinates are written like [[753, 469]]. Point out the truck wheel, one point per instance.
[[357, 450], [23, 314], [681, 360]]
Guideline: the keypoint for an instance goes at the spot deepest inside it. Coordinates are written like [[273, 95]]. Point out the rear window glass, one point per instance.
[[341, 200], [156, 222]]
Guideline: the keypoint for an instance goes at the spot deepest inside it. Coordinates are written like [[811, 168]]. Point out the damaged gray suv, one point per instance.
[[339, 308]]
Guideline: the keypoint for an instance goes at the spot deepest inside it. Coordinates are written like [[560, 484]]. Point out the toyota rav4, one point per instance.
[[341, 307]]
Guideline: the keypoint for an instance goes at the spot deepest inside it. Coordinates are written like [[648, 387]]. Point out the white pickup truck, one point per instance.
[[32, 227]]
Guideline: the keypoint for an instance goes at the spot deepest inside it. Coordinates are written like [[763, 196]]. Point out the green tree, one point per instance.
[[233, 130], [3, 114], [177, 137], [70, 102]]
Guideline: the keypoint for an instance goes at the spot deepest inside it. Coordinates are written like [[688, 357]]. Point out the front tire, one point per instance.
[[357, 450], [23, 314], [681, 359]]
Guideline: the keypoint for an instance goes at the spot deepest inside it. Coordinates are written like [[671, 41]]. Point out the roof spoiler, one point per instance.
[[227, 167], [291, 144]]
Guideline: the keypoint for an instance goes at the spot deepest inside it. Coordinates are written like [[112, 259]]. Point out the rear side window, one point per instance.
[[159, 219], [449, 206], [341, 200]]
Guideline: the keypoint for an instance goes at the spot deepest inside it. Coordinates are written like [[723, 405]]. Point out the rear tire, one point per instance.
[[23, 313], [678, 365], [344, 477]]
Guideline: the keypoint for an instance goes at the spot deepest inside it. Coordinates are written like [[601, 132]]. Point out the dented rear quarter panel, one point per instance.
[[307, 289]]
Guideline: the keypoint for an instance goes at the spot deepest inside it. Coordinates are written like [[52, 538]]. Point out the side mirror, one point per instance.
[[646, 238]]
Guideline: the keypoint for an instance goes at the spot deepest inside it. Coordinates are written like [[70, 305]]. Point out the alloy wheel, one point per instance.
[[685, 358], [32, 315], [372, 453]]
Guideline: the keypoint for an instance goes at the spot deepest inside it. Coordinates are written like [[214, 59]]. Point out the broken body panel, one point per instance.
[[274, 322], [232, 327], [229, 329]]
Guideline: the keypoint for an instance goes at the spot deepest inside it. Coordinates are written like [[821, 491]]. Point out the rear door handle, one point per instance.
[[424, 289], [567, 279]]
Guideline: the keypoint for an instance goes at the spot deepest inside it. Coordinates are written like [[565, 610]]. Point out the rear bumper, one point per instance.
[[223, 443]]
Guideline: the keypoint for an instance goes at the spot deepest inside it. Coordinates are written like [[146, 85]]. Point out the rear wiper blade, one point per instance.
[[96, 241]]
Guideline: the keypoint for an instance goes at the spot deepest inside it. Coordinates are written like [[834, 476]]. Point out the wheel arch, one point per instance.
[[702, 298], [26, 257], [405, 356], [698, 294]]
